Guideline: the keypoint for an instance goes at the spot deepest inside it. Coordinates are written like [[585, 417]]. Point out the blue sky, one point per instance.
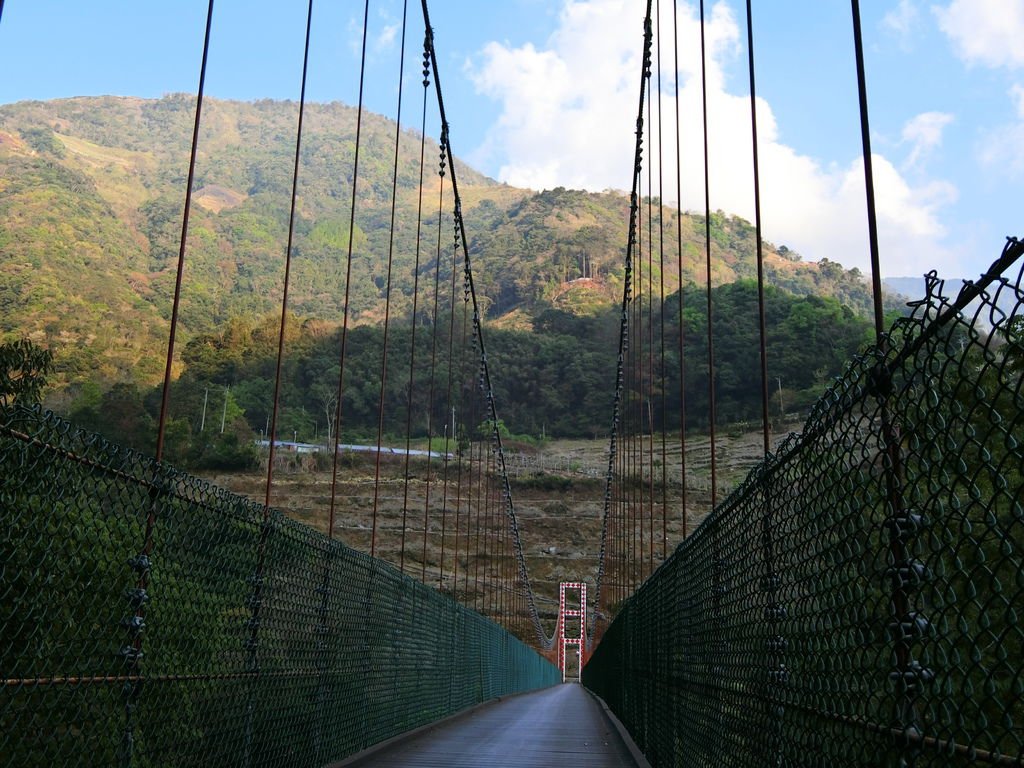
[[542, 93]]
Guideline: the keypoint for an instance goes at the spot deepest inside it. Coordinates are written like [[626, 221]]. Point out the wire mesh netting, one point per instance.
[[857, 601], [148, 618]]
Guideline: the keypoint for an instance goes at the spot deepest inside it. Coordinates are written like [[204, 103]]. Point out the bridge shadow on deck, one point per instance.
[[558, 726]]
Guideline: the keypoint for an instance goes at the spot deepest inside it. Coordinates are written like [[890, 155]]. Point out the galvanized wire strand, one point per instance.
[[459, 449], [483, 509], [477, 525], [650, 342], [433, 346], [410, 390], [449, 409], [906, 670], [774, 662], [489, 535], [387, 285], [471, 486], [679, 267], [286, 282], [348, 281], [140, 562], [390, 259], [258, 576], [638, 373], [869, 176], [176, 302], [542, 638], [450, 439], [661, 301], [632, 461], [616, 452], [761, 324], [707, 253]]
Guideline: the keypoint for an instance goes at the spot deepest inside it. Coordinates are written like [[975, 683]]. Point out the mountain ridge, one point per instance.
[[90, 215]]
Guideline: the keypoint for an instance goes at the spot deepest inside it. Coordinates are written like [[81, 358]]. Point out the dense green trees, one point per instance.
[[24, 368], [90, 220], [554, 380]]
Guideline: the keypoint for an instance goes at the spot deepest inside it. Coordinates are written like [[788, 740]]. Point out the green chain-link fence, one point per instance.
[[859, 600], [150, 619]]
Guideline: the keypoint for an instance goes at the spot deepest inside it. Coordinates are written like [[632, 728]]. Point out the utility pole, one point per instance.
[[224, 413], [206, 398], [781, 411]]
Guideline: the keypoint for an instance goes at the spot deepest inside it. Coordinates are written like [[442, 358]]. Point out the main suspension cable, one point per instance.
[[542, 638], [615, 461]]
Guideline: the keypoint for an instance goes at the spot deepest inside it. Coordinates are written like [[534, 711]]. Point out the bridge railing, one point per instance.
[[859, 600], [148, 618]]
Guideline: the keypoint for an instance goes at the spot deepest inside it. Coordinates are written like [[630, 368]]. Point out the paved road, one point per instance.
[[562, 727]]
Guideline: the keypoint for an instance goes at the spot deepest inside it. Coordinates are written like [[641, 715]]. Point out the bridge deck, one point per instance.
[[559, 726]]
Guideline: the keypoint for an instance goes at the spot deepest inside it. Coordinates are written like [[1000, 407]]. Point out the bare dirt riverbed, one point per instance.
[[558, 494]]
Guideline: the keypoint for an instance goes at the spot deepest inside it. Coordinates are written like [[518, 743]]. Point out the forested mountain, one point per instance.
[[91, 199]]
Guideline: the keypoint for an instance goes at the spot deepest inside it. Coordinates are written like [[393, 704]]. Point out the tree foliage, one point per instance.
[[90, 220], [24, 368]]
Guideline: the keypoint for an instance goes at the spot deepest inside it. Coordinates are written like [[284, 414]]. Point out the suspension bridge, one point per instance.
[[854, 602]]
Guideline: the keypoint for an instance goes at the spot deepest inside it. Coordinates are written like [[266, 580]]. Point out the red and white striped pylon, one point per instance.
[[572, 613]]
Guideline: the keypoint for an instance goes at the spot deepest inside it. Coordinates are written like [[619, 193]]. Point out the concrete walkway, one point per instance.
[[563, 726]]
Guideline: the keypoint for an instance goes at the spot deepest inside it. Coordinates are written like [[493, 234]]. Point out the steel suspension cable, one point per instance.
[[480, 479], [489, 535], [679, 265], [257, 578], [448, 408], [176, 302], [635, 348], [459, 449], [348, 286], [415, 309], [707, 252], [471, 483], [433, 352], [132, 691], [900, 552], [638, 385], [869, 176], [276, 404], [762, 328], [650, 341], [775, 662], [543, 640], [387, 287], [618, 406], [663, 387]]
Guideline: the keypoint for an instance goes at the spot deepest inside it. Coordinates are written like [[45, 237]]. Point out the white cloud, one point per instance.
[[568, 119], [1017, 94], [1002, 148], [924, 133], [902, 21], [386, 37], [985, 32]]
